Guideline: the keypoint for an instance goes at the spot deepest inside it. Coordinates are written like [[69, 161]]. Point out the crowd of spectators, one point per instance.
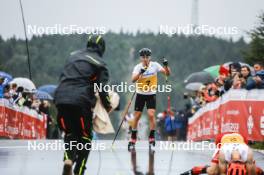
[[18, 97], [236, 76], [172, 125]]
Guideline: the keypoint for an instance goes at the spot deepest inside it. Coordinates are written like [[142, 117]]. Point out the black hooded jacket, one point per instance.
[[83, 69]]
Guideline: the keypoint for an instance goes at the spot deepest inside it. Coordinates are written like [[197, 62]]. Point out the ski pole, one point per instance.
[[123, 116]]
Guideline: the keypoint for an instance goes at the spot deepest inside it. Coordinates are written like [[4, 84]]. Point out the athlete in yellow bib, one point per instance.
[[145, 77]]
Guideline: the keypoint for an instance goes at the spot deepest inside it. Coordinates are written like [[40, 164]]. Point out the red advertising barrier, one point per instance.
[[236, 111], [21, 123]]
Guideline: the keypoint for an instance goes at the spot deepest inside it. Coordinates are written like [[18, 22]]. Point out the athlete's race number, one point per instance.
[[148, 82]]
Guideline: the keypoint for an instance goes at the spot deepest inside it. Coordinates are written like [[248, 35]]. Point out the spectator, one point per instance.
[[220, 81], [161, 124], [44, 107], [180, 119], [234, 68], [2, 87], [170, 126], [6, 92], [238, 82], [258, 67], [28, 100], [257, 81], [13, 89], [35, 103], [245, 72], [245, 76], [187, 115], [211, 93], [199, 100], [173, 125], [234, 71], [18, 95]]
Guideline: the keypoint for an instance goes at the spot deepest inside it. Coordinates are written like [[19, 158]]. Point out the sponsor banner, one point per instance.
[[237, 111], [2, 120], [21, 123]]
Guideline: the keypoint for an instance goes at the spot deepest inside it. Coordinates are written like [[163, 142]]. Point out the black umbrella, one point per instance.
[[193, 86], [199, 77]]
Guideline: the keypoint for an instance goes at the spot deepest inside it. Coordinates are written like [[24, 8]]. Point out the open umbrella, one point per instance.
[[213, 70], [193, 86], [43, 95], [49, 88], [199, 77], [26, 83], [7, 77]]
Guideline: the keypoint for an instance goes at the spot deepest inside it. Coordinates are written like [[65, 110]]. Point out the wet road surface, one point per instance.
[[18, 157]]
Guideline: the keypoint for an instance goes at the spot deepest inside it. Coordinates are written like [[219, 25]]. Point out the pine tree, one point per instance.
[[255, 53]]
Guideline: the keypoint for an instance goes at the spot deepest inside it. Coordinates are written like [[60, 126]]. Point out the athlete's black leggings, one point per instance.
[[76, 122]]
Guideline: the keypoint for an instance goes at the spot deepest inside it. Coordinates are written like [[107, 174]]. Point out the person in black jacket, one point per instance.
[[75, 98]]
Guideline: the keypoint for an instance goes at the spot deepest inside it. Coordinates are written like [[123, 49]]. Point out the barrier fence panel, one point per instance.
[[21, 122], [236, 111]]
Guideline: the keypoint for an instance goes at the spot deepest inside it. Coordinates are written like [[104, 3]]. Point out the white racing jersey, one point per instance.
[[234, 142], [148, 82], [228, 148]]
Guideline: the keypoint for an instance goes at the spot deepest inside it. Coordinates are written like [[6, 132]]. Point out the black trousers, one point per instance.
[[76, 122]]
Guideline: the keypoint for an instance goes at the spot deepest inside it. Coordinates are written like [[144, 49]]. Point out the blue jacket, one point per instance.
[[172, 124], [1, 91], [251, 84]]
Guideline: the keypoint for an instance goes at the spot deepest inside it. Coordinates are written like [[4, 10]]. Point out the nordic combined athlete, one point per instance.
[[145, 77], [232, 157]]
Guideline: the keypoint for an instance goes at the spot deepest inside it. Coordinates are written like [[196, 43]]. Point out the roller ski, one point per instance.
[[152, 143], [131, 145]]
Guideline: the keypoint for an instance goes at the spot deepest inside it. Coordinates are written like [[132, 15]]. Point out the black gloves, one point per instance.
[[165, 62], [142, 70]]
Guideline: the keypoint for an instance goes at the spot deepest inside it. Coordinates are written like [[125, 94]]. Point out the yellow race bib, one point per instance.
[[147, 84]]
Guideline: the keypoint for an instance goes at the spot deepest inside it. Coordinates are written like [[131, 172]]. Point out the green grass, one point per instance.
[[257, 145]]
